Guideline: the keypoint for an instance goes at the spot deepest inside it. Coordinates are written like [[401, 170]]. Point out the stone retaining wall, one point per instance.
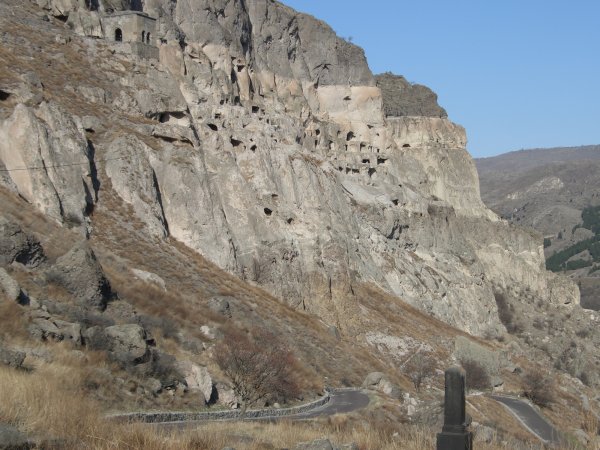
[[162, 417]]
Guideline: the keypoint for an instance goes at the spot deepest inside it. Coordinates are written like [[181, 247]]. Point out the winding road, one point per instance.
[[340, 401], [530, 419], [343, 401]]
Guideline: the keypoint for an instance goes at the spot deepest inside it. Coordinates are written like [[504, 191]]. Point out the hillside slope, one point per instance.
[[554, 191], [227, 175], [304, 185]]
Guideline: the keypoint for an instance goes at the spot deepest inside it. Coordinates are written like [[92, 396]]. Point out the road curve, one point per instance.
[[340, 401], [530, 418], [343, 401]]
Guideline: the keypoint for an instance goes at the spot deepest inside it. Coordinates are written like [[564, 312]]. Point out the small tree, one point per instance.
[[420, 368], [477, 376], [260, 367], [539, 388]]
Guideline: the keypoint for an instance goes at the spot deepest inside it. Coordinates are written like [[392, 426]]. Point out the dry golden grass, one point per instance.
[[49, 403], [13, 322], [259, 436], [46, 401]]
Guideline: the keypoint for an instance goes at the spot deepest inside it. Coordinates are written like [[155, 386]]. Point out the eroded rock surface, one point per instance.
[[401, 98], [16, 245], [278, 160], [79, 272]]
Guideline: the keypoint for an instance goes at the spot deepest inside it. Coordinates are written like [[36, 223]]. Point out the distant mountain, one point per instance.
[[556, 191]]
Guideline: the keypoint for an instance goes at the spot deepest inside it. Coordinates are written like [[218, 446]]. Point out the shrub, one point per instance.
[[166, 325], [539, 388], [163, 368], [260, 367], [477, 376], [420, 367], [504, 309]]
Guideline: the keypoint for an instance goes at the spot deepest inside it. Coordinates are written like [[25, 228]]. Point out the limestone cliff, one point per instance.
[[259, 139]]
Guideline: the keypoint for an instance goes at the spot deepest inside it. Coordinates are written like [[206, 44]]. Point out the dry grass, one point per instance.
[[257, 436], [46, 401], [13, 322], [43, 403]]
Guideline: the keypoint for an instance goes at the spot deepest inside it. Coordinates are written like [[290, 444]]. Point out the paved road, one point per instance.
[[341, 402], [529, 417]]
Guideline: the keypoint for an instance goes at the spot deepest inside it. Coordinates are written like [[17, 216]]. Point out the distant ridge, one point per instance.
[[522, 160], [549, 190]]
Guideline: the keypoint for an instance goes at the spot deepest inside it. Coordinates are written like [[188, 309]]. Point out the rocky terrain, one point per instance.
[[551, 191], [230, 174]]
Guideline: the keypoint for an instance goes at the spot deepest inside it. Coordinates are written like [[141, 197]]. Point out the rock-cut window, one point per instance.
[[147, 38], [118, 35], [143, 36]]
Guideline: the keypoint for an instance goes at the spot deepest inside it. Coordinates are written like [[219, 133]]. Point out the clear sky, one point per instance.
[[515, 73]]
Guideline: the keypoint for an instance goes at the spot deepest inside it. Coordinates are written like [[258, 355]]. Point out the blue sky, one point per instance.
[[515, 74]]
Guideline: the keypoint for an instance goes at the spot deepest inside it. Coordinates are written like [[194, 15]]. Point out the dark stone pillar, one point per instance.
[[454, 435]]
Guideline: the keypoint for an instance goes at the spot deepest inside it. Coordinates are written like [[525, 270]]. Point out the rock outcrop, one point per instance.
[[47, 157], [379, 382], [79, 272], [16, 245], [128, 343], [401, 98], [280, 161]]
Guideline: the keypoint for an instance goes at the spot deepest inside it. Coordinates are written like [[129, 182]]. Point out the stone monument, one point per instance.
[[454, 435]]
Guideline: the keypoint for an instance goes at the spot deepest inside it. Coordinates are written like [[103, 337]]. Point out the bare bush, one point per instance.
[[477, 376], [164, 368], [167, 326], [539, 388], [420, 368], [260, 367]]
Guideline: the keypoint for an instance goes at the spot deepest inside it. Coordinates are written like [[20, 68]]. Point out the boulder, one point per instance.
[[48, 328], [377, 381], [128, 343], [79, 272], [198, 378], [226, 396], [15, 245], [372, 379], [11, 358], [150, 277]]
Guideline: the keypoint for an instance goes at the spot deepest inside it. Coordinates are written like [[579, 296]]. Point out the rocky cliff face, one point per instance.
[[260, 140]]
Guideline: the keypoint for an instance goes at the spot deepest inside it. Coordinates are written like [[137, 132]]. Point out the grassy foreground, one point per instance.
[[49, 403]]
